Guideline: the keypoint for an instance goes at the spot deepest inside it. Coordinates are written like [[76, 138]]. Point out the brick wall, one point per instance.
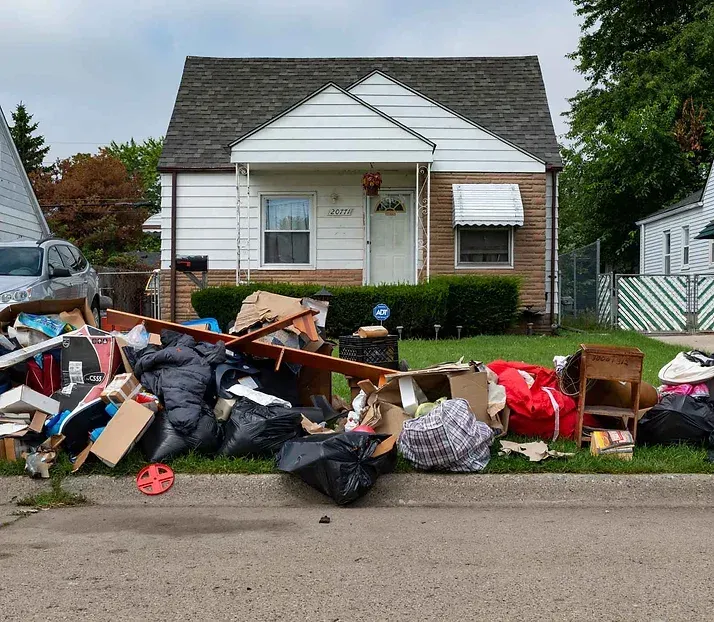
[[529, 240], [184, 287]]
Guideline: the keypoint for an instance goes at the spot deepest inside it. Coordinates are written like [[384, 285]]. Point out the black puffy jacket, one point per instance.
[[178, 375]]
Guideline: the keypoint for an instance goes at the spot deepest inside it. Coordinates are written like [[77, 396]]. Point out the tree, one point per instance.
[[142, 159], [92, 201], [640, 134], [31, 148]]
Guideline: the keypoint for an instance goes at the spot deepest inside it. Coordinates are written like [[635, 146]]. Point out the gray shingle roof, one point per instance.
[[220, 99], [691, 199]]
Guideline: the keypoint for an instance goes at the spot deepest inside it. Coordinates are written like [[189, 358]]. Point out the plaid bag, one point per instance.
[[449, 438]]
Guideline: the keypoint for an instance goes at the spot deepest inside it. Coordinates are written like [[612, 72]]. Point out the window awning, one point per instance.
[[487, 204], [707, 233]]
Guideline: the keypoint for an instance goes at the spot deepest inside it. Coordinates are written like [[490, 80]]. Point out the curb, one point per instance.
[[396, 490]]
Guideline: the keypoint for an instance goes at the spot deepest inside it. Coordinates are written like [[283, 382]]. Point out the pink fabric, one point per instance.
[[695, 390]]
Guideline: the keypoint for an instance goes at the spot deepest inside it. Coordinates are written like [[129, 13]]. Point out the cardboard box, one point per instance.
[[22, 399], [47, 307], [122, 432], [122, 388], [89, 356]]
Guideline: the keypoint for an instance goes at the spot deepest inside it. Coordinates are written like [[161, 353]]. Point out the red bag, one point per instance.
[[534, 409], [45, 379]]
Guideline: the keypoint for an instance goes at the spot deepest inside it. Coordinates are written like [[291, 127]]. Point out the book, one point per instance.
[[617, 443]]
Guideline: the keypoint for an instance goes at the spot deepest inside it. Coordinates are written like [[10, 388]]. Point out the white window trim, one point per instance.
[[665, 254], [711, 252], [484, 266], [688, 246], [313, 231]]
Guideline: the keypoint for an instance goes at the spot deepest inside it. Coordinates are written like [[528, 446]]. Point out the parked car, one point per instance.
[[46, 269]]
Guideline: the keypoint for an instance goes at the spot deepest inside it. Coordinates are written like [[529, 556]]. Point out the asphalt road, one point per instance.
[[112, 563]]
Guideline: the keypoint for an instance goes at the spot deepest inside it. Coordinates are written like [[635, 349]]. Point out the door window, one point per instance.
[[67, 258], [54, 260]]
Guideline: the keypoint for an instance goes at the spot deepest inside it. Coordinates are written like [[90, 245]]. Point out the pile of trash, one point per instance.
[[265, 390]]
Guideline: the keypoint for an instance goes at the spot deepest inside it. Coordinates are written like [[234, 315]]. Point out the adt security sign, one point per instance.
[[381, 312]]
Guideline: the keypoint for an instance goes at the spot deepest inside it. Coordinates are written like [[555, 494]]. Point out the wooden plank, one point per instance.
[[127, 321]]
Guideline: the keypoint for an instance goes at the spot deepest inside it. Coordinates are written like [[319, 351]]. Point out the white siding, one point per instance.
[[652, 252], [332, 127], [18, 205], [549, 238], [206, 222], [460, 145]]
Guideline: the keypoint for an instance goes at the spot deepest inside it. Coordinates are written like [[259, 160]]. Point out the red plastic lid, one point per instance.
[[155, 479]]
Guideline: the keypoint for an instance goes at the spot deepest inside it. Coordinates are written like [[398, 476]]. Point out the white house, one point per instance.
[[264, 159], [20, 213], [670, 239]]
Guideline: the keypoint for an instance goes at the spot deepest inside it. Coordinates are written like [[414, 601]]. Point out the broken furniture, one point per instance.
[[614, 363]]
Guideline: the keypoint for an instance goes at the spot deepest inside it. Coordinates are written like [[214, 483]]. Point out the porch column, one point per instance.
[[242, 224], [423, 200]]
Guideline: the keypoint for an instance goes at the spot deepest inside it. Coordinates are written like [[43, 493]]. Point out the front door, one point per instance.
[[391, 239]]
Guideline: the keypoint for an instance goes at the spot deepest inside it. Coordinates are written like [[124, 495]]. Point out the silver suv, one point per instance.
[[49, 268]]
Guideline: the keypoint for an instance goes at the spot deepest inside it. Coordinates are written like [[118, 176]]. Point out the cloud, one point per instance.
[[93, 71]]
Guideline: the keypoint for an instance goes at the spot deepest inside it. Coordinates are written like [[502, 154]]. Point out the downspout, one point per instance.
[[174, 184], [553, 240]]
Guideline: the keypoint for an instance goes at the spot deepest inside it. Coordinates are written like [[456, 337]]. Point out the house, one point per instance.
[[20, 213], [264, 159], [673, 240]]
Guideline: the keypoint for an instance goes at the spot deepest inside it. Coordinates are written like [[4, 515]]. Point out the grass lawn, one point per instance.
[[538, 350]]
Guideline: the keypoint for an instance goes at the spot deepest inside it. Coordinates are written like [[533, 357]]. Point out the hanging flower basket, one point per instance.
[[372, 182]]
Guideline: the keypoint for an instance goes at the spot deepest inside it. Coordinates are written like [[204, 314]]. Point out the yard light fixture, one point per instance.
[[458, 331], [399, 331], [437, 327]]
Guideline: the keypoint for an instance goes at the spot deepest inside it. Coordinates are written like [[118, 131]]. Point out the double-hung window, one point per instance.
[[484, 246], [685, 246], [667, 251], [287, 223]]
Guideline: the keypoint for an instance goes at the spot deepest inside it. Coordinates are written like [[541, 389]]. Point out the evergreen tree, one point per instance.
[[31, 148]]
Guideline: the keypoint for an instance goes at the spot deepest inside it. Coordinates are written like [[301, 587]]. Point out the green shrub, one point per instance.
[[481, 304]]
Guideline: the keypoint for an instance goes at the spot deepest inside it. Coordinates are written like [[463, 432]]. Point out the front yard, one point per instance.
[[538, 350]]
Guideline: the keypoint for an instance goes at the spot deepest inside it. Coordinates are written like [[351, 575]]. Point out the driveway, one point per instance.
[[412, 564], [703, 342]]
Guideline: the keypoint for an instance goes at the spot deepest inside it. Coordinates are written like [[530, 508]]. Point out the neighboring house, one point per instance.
[[20, 213], [263, 162], [152, 224], [670, 241]]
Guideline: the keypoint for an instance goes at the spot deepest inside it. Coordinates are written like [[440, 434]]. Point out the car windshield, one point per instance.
[[21, 261]]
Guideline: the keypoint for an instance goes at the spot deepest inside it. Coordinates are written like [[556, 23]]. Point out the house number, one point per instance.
[[345, 211]]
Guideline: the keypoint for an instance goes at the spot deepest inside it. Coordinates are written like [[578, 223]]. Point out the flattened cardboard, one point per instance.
[[121, 433], [261, 307], [392, 419], [81, 457], [23, 399], [38, 421]]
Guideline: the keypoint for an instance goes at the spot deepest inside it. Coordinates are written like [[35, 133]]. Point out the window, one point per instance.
[[54, 260], [484, 246], [80, 263], [287, 224], [24, 261], [711, 252], [390, 205], [685, 246], [67, 257], [667, 252]]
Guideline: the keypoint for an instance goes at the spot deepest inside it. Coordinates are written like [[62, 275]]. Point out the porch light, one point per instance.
[[323, 295]]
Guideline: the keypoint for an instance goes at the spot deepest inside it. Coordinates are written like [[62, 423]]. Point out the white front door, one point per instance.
[[391, 243]]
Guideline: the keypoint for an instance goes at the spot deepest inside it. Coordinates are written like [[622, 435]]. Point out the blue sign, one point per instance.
[[381, 312]]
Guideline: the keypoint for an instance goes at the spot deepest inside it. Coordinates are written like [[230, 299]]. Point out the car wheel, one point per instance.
[[97, 315]]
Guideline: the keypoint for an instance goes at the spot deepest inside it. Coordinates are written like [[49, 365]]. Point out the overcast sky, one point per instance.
[[93, 71]]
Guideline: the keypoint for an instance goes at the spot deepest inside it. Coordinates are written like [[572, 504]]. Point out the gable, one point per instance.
[[332, 125], [20, 214], [461, 145]]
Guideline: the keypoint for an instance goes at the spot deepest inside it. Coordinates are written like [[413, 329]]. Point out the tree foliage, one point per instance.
[[30, 146], [641, 134], [93, 201], [142, 159]]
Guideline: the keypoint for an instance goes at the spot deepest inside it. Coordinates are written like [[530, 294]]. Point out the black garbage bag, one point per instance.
[[338, 465], [162, 441], [678, 419], [256, 430]]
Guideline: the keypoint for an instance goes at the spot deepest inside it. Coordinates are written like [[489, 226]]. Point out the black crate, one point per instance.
[[381, 351]]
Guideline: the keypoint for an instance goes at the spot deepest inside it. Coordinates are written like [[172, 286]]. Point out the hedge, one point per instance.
[[481, 304]]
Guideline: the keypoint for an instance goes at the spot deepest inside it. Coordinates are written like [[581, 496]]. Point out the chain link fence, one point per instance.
[[132, 291], [579, 273]]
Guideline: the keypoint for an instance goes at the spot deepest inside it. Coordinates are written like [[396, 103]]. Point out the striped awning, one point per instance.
[[487, 204], [707, 233]]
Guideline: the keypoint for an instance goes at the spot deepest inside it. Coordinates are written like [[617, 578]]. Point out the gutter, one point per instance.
[[672, 212], [174, 210], [553, 239]]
